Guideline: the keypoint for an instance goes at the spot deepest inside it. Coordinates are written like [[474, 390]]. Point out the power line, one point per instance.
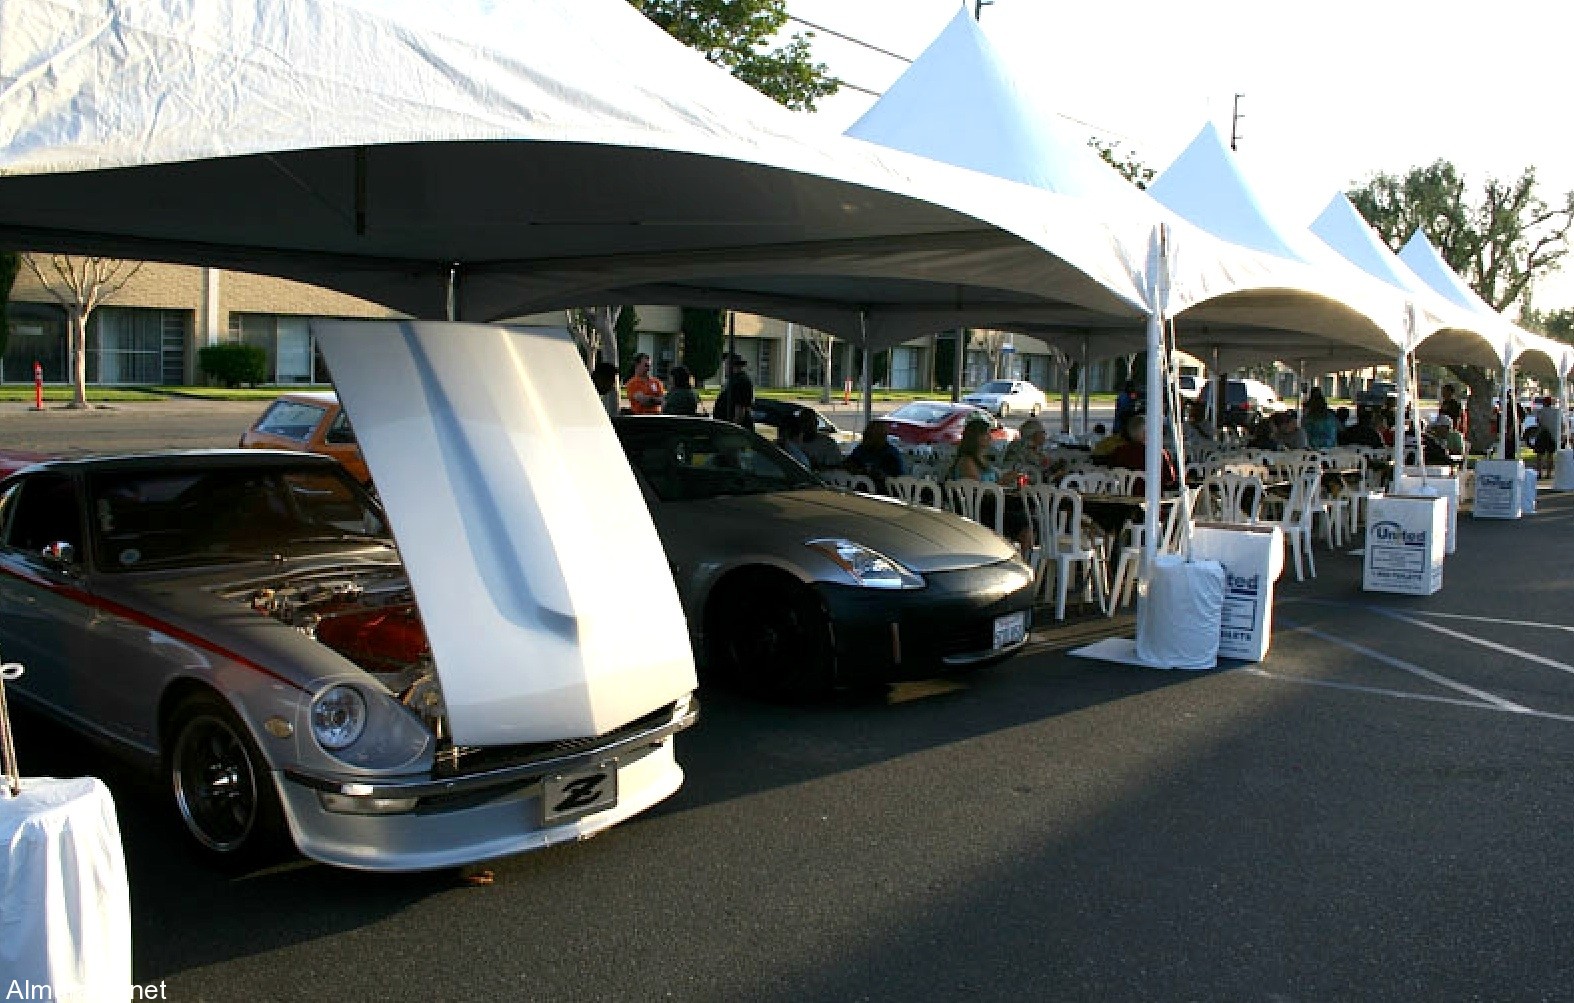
[[896, 55], [848, 38]]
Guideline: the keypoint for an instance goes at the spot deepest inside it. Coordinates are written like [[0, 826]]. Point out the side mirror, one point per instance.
[[60, 553]]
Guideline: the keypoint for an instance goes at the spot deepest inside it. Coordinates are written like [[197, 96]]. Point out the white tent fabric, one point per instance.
[[1445, 332], [1339, 311], [544, 152], [959, 103]]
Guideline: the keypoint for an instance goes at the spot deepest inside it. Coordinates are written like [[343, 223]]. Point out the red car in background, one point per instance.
[[932, 422]]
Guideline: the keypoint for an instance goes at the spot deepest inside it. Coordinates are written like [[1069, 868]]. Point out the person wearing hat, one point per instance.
[[1444, 431], [735, 403]]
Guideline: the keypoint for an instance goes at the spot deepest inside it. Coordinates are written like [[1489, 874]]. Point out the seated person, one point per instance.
[[1199, 437], [1363, 432], [1287, 432], [1443, 430], [972, 463], [1134, 454], [820, 449], [1107, 445], [788, 440], [1026, 453], [874, 455]]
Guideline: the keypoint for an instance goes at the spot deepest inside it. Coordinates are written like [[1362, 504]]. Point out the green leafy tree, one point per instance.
[[703, 332], [1125, 162], [1500, 244], [627, 330], [1558, 324], [737, 34], [10, 264]]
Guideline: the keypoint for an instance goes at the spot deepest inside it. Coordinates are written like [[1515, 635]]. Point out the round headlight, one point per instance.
[[338, 717]]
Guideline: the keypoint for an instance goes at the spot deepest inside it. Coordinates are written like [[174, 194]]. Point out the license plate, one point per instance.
[[1010, 629], [567, 796]]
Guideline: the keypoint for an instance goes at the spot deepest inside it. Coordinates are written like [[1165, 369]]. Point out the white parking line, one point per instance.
[[1493, 619], [1486, 698], [1529, 656]]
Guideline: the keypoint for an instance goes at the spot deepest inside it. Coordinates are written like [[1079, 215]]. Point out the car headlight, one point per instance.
[[338, 717], [869, 568]]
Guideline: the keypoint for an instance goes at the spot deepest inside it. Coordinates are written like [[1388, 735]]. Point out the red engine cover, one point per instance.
[[387, 637]]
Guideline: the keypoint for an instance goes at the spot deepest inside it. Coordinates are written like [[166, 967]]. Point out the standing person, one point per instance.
[[605, 379], [1322, 428], [644, 391], [681, 399], [1549, 420], [736, 401], [1125, 404], [1451, 406]]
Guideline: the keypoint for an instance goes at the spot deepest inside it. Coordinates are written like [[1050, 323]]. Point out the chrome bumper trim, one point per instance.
[[519, 774]]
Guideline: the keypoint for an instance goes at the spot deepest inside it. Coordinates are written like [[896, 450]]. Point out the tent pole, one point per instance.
[[830, 353], [868, 370], [1065, 392], [958, 364], [451, 293], [1153, 489], [1083, 380], [1216, 392], [1402, 388], [1505, 410]]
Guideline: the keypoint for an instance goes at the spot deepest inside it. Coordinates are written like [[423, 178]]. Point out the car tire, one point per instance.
[[220, 785], [771, 637]]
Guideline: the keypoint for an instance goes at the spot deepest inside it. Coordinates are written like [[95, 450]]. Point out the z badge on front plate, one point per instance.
[[567, 796], [1010, 629]]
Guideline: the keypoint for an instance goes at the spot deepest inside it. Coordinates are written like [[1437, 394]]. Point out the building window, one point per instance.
[[125, 345], [132, 346], [292, 352], [38, 334]]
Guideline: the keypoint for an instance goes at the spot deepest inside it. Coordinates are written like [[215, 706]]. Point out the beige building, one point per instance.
[[150, 331]]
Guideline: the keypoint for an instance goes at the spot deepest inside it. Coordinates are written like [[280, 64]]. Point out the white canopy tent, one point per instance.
[[483, 160]]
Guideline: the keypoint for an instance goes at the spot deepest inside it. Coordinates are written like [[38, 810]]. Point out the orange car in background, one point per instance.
[[309, 423]]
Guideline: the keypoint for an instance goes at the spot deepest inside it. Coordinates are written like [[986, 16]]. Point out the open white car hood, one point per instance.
[[544, 590]]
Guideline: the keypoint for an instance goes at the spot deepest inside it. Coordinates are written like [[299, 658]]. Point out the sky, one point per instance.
[[1333, 92]]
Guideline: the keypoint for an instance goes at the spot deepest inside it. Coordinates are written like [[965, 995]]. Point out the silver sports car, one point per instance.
[[242, 622], [792, 587]]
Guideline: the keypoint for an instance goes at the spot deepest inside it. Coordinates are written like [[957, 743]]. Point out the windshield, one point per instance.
[[189, 517], [925, 414], [693, 460], [996, 387]]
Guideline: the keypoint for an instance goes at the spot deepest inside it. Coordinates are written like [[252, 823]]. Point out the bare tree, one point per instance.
[[820, 345], [593, 328], [992, 342], [80, 285]]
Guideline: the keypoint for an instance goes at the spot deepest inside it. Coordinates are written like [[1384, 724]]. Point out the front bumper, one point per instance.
[[480, 815], [890, 635]]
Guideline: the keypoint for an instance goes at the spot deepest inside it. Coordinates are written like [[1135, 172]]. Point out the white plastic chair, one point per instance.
[[916, 490], [965, 497], [1123, 585], [1065, 545], [1225, 497], [1297, 519]]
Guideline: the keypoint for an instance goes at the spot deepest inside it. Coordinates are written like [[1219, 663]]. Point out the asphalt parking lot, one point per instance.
[[1377, 811]]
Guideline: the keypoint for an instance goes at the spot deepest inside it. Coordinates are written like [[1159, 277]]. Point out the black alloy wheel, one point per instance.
[[772, 637], [220, 783]]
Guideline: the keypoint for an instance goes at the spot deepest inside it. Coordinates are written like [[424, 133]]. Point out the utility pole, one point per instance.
[[978, 8], [1235, 120]]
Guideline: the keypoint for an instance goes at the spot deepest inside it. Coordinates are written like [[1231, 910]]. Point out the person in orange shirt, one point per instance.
[[644, 392]]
